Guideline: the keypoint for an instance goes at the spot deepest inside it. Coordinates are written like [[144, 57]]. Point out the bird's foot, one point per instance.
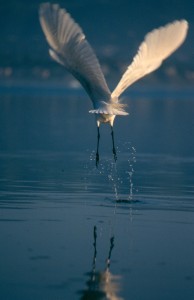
[[114, 154], [97, 159]]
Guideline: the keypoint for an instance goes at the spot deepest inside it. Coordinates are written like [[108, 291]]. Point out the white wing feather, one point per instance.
[[70, 48], [157, 46]]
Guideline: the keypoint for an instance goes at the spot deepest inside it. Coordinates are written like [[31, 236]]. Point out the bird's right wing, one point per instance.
[[70, 48], [157, 46]]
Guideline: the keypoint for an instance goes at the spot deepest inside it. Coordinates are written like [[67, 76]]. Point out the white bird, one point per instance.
[[70, 48]]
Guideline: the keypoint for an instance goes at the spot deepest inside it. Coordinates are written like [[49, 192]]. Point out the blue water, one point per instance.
[[53, 199], [115, 30], [67, 229]]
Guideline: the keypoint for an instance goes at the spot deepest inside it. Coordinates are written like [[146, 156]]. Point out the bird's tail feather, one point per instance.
[[110, 109]]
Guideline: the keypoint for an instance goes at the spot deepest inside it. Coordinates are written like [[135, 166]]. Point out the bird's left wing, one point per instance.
[[157, 46], [70, 48]]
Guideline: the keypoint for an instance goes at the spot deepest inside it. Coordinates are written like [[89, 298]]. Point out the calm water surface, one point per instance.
[[70, 231]]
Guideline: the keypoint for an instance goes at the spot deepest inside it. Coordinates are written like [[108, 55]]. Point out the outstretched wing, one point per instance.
[[70, 48], [157, 45]]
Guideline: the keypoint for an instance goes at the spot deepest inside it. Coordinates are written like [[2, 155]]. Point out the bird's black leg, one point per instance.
[[113, 145], [97, 151]]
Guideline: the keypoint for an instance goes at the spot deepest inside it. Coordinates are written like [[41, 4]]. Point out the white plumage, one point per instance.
[[70, 48], [157, 45]]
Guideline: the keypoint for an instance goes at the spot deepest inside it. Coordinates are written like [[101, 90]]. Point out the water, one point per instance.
[[71, 231], [67, 229]]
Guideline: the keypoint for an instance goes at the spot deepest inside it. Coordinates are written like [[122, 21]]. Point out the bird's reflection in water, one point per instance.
[[101, 284]]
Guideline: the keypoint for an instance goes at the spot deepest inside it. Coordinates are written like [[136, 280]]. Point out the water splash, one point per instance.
[[131, 162], [115, 176]]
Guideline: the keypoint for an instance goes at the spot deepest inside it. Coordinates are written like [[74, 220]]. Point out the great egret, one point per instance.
[[70, 48]]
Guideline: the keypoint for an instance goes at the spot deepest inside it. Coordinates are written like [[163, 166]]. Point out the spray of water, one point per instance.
[[118, 176], [131, 162]]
